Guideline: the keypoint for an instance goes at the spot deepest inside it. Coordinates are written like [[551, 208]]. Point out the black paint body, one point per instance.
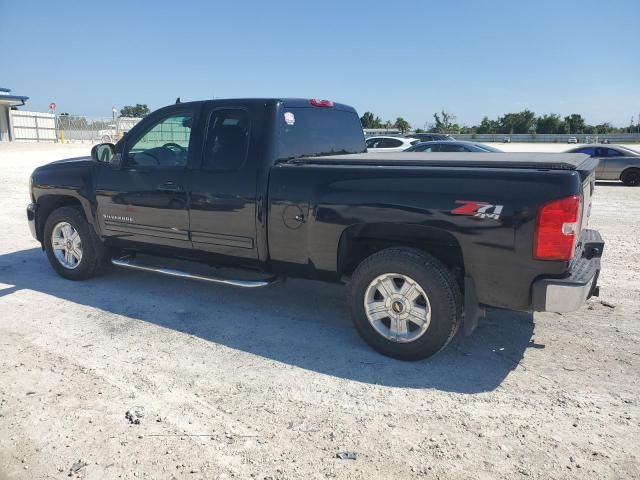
[[307, 218]]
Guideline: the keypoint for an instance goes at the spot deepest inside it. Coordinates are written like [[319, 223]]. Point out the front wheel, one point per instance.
[[405, 303], [73, 249], [631, 177]]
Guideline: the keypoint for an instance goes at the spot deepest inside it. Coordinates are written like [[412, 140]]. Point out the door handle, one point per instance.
[[170, 187]]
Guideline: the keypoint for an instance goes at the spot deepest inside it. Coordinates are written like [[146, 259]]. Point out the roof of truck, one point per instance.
[[287, 102], [548, 161]]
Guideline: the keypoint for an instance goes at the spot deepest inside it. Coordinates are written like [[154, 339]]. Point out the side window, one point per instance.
[[227, 140], [371, 143], [164, 145], [391, 143], [451, 148], [587, 150], [424, 148], [601, 152], [613, 153]]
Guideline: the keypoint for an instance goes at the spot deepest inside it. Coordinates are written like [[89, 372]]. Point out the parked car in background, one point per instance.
[[506, 140], [606, 140], [616, 162], [451, 146], [389, 144], [117, 130], [572, 140], [431, 137]]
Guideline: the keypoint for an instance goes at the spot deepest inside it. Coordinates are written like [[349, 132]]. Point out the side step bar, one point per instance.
[[130, 262]]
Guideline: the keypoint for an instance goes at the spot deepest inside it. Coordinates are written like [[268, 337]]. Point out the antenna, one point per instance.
[[178, 100]]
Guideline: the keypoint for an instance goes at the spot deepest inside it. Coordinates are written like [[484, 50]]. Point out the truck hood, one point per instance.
[[76, 163], [73, 160], [71, 172]]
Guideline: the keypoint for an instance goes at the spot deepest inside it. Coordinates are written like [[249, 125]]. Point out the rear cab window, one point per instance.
[[308, 131]]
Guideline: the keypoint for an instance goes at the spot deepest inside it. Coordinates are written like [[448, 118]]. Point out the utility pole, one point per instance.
[[113, 117]]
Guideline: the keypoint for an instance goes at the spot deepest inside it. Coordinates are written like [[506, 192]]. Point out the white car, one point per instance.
[[389, 144], [572, 140]]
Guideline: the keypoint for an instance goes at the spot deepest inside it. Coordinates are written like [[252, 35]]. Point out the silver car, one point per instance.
[[616, 162]]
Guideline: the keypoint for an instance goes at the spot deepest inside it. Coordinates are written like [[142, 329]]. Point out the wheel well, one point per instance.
[[48, 204], [360, 241], [629, 169]]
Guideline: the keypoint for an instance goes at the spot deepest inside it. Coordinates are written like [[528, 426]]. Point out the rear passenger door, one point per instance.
[[605, 165], [591, 151], [223, 188], [615, 163]]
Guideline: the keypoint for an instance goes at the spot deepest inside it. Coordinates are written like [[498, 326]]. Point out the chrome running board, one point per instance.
[[130, 262]]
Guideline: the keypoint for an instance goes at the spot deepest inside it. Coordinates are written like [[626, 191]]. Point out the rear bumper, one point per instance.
[[567, 294], [31, 218]]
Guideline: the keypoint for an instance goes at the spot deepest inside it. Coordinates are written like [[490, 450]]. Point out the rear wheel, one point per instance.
[[73, 249], [405, 303], [631, 177]]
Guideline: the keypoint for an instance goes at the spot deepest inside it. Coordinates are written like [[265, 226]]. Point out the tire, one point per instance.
[[426, 276], [631, 177], [90, 248]]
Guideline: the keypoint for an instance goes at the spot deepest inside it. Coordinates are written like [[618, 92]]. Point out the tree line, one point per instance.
[[525, 121]]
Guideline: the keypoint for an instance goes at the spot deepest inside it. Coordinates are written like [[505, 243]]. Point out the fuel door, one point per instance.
[[293, 217]]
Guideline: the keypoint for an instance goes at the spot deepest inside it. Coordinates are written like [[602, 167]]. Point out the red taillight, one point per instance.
[[556, 229], [321, 103]]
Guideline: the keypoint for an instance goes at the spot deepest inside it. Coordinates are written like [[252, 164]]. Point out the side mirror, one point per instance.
[[106, 153], [103, 152]]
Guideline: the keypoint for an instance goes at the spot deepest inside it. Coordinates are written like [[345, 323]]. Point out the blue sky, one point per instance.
[[408, 58]]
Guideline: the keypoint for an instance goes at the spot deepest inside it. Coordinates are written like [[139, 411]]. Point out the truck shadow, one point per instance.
[[300, 323]]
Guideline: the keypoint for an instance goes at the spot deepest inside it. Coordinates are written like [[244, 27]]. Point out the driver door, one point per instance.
[[146, 201]]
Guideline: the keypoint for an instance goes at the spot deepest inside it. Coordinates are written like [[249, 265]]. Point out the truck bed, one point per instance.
[[538, 161]]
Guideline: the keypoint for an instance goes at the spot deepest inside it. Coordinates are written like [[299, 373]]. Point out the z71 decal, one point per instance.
[[478, 209]]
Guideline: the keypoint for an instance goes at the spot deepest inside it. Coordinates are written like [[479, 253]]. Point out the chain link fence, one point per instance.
[[81, 129]]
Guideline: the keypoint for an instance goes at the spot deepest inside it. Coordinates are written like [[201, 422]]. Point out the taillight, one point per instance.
[[556, 229], [321, 103]]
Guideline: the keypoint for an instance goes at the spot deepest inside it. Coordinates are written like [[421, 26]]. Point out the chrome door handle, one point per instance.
[[170, 187]]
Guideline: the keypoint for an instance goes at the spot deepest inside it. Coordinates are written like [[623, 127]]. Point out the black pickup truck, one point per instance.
[[285, 188]]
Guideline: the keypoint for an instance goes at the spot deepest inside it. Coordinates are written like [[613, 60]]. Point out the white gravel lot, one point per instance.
[[271, 384]]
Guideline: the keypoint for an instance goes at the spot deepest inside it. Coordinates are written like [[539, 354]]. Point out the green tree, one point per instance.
[[550, 123], [520, 122], [444, 122], [605, 127], [402, 125], [138, 111], [388, 124], [488, 126], [575, 123], [369, 120]]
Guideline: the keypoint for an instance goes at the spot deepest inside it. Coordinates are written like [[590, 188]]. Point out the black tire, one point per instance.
[[631, 177], [93, 252], [436, 281]]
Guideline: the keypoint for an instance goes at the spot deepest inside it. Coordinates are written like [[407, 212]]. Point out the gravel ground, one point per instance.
[[274, 383]]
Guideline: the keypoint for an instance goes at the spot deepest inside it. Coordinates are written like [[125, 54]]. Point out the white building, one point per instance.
[[6, 102]]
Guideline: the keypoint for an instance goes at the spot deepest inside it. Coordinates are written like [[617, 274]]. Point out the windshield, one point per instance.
[[313, 132]]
